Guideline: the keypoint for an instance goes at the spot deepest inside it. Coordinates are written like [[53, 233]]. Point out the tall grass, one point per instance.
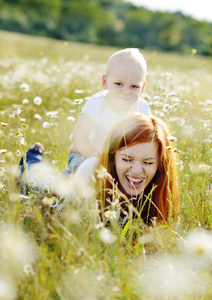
[[51, 254]]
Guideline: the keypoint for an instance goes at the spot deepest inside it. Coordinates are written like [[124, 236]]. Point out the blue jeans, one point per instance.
[[74, 161]]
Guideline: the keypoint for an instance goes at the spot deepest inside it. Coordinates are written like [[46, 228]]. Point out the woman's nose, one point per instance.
[[137, 169]]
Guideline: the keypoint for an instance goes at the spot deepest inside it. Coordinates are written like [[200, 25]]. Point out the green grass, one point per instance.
[[62, 256]]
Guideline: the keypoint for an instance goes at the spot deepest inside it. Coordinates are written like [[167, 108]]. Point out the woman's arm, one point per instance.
[[80, 139]]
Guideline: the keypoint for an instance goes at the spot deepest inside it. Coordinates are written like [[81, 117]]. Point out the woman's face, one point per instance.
[[136, 166]]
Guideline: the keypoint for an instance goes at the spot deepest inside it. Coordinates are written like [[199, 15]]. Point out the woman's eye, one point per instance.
[[126, 159], [148, 163]]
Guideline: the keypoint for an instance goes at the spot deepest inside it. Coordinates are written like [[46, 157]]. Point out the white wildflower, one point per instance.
[[37, 100], [46, 125], [146, 238], [106, 236], [20, 138], [115, 203], [16, 111], [72, 119], [18, 153], [23, 119], [199, 244], [48, 201], [14, 197], [171, 278], [18, 134], [79, 91], [37, 116], [77, 101], [100, 277], [3, 151], [25, 101], [171, 94], [52, 114], [110, 214], [157, 98], [55, 201], [99, 225], [48, 153], [22, 141], [172, 138], [25, 126], [25, 87], [2, 186], [72, 111], [28, 270], [15, 247]]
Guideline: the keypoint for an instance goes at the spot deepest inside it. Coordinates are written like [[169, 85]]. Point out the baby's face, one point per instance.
[[124, 83]]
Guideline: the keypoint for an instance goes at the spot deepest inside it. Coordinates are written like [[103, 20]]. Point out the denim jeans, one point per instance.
[[74, 160]]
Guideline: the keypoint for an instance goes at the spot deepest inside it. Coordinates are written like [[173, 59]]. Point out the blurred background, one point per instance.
[[112, 22]]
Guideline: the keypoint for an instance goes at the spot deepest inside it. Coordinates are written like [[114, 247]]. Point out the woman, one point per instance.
[[141, 170], [136, 170]]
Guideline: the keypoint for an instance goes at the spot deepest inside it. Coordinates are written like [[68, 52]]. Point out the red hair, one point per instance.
[[132, 130]]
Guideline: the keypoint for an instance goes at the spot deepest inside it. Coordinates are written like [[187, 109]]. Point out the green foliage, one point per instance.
[[106, 22]]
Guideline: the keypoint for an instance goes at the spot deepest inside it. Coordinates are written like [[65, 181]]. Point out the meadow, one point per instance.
[[48, 253]]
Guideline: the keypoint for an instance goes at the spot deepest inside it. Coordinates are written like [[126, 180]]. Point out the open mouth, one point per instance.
[[134, 181]]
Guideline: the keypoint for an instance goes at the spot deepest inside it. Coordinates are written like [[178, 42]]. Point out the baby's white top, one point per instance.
[[99, 111]]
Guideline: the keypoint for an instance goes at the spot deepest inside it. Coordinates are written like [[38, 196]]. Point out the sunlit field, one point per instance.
[[51, 253]]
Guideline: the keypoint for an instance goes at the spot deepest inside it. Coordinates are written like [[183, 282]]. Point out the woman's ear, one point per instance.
[[142, 89], [104, 81]]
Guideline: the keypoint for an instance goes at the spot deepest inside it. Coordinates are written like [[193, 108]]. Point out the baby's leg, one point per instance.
[[86, 169], [60, 184]]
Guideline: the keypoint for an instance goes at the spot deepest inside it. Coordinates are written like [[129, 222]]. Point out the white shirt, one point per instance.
[[99, 111]]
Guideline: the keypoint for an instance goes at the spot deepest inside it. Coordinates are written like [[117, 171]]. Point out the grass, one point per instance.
[[70, 256]]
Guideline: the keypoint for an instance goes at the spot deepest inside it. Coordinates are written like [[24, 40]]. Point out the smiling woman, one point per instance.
[[136, 167], [141, 170]]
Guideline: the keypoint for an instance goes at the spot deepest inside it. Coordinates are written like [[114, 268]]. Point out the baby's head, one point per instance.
[[125, 77], [128, 56]]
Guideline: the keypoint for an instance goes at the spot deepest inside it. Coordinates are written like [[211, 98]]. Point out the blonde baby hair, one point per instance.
[[130, 55]]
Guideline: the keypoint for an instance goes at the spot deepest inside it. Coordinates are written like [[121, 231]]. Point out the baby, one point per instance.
[[123, 84]]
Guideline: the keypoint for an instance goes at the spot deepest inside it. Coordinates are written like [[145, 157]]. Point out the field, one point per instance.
[[46, 253]]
